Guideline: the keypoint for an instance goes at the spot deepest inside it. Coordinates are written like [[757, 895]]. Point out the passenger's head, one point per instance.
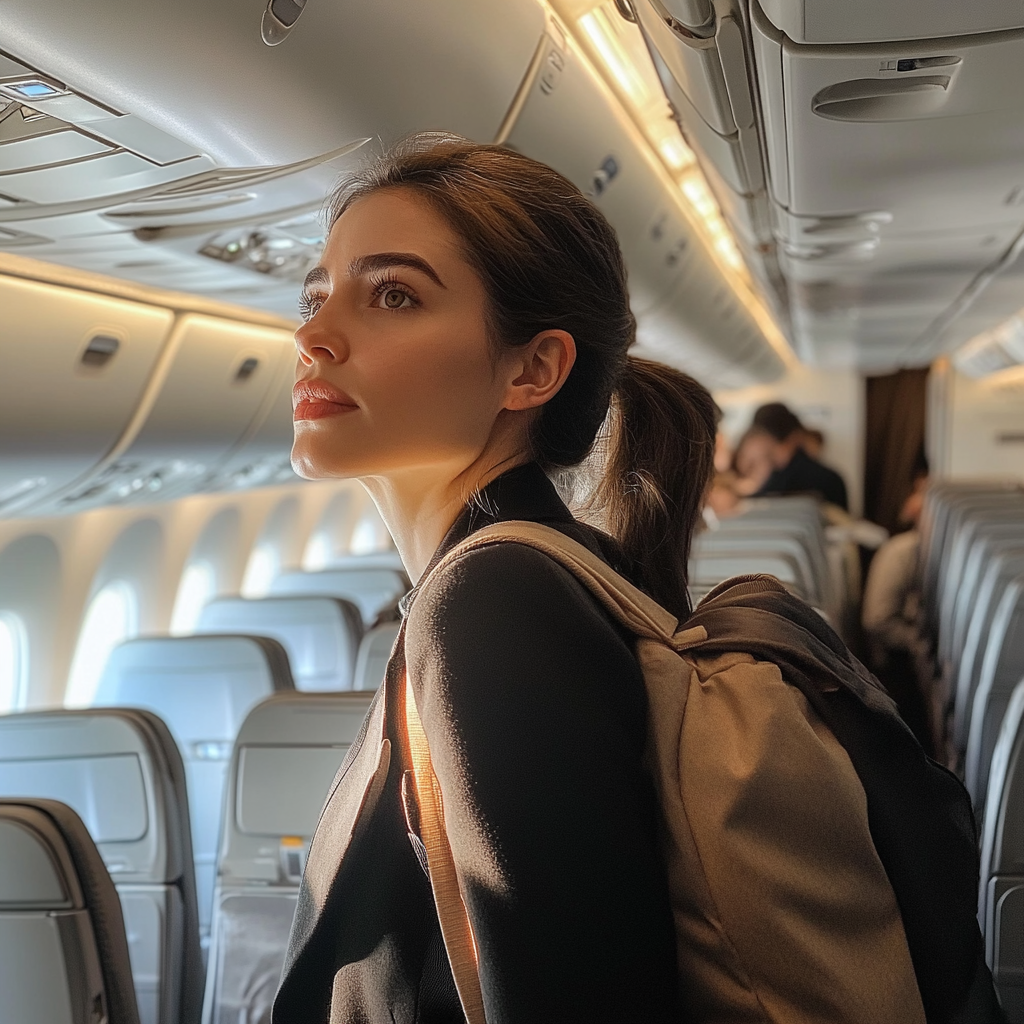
[[813, 442], [471, 306], [777, 419], [754, 458]]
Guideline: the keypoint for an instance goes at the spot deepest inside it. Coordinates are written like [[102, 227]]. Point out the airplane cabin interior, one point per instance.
[[819, 204]]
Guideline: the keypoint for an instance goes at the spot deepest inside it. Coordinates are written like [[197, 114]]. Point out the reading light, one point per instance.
[[32, 89]]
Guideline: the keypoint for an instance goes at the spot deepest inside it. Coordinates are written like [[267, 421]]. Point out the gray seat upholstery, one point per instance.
[[760, 544], [372, 590], [202, 687], [1002, 668], [374, 654], [287, 754], [707, 570], [63, 952], [320, 634], [121, 772], [1000, 572], [1001, 908]]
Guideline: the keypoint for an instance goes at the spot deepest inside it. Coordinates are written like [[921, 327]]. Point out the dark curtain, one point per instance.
[[894, 445]]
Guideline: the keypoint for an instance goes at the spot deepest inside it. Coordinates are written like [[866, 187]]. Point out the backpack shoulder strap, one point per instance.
[[633, 608], [629, 605]]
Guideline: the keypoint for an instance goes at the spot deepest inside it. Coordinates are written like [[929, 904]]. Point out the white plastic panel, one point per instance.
[[344, 72], [58, 415], [825, 21], [202, 407], [694, 65], [953, 162]]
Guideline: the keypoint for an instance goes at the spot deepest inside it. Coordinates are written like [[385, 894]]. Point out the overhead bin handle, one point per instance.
[[886, 99]]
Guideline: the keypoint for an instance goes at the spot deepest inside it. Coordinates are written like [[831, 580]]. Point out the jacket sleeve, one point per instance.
[[535, 712]]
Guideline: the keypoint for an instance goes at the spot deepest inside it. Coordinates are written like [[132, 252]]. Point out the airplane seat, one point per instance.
[[63, 951], [708, 570], [287, 754], [1001, 899], [121, 772], [320, 634], [202, 687], [374, 655], [1002, 668], [371, 589]]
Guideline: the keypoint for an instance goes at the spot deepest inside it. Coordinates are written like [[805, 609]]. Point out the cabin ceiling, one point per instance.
[[868, 159]]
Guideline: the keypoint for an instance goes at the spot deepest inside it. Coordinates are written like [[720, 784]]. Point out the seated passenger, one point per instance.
[[889, 617], [753, 462], [795, 472]]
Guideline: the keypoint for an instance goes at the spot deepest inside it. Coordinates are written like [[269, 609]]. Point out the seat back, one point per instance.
[[1001, 669], [202, 687], [708, 570], [965, 671], [121, 772], [63, 953], [374, 654], [995, 538], [320, 634], [287, 754], [1001, 902], [370, 590]]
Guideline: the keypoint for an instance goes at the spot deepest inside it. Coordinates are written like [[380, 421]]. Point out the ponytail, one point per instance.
[[658, 461]]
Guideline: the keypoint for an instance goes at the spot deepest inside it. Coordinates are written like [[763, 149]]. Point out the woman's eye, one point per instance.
[[309, 306], [394, 298]]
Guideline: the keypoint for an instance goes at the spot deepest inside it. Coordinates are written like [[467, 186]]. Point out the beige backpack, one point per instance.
[[783, 909]]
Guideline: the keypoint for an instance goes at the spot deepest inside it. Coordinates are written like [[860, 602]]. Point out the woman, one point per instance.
[[465, 336]]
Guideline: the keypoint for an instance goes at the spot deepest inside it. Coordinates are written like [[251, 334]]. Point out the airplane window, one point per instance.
[[370, 535], [260, 572], [198, 585], [111, 618], [317, 555], [13, 663]]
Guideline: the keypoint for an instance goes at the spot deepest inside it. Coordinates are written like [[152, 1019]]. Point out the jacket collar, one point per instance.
[[524, 492]]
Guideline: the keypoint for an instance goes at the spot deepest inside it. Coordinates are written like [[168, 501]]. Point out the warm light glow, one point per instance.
[[260, 572], [676, 153], [370, 535], [112, 618], [196, 589], [318, 552], [13, 663], [600, 30]]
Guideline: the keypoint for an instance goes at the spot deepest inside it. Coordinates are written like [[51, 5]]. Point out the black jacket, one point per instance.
[[804, 475], [535, 710]]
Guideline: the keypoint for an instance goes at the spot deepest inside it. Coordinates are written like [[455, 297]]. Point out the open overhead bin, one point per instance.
[[570, 120], [74, 365]]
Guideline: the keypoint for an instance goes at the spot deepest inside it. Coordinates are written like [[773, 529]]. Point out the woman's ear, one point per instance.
[[539, 369]]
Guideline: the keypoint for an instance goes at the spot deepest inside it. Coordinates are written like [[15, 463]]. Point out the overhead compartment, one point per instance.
[[825, 21], [898, 170], [263, 456], [74, 365], [570, 120], [199, 405]]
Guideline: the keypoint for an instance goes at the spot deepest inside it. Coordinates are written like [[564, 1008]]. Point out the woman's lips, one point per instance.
[[315, 399]]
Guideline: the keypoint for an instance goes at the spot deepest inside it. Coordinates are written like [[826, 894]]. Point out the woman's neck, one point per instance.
[[420, 506]]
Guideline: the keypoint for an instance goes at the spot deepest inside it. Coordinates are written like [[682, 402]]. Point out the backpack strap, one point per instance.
[[630, 606], [456, 928]]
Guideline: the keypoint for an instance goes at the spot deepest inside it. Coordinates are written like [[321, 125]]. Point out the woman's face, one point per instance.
[[396, 371]]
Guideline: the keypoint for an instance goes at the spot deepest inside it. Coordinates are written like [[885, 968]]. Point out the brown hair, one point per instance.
[[549, 259]]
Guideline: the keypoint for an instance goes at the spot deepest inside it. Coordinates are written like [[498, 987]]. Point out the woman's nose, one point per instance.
[[316, 342]]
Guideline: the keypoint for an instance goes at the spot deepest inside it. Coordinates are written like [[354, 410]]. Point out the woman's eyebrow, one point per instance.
[[317, 276], [384, 260]]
